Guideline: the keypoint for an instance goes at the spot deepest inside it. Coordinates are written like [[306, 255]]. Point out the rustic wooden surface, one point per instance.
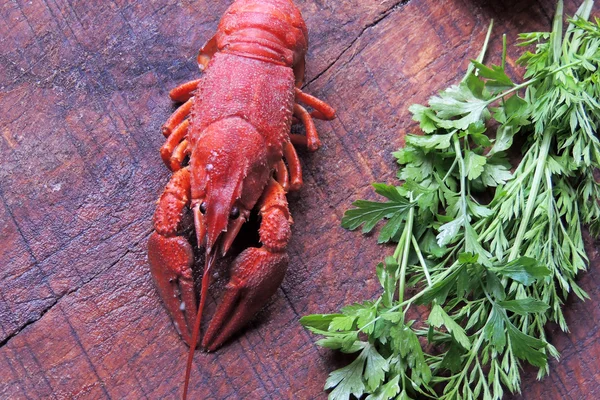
[[83, 93]]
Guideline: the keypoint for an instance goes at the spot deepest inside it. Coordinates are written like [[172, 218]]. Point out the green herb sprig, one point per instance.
[[492, 272]]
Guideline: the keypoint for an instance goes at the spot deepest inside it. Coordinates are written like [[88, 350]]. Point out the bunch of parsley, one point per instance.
[[493, 253]]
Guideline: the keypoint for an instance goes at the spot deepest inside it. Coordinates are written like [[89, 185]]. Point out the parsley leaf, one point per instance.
[[348, 380], [369, 213], [458, 107]]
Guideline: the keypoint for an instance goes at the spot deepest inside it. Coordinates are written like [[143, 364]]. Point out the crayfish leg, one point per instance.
[[177, 117], [322, 110], [295, 169], [312, 137], [184, 92], [282, 175], [168, 148], [181, 151]]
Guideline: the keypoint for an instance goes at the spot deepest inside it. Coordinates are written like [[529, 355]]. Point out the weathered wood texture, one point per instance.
[[83, 93]]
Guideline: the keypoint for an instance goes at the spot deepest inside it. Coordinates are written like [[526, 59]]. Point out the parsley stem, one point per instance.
[[474, 351], [514, 184], [451, 169], [481, 55], [443, 275], [531, 81], [408, 231], [421, 260], [532, 197], [463, 185], [399, 246]]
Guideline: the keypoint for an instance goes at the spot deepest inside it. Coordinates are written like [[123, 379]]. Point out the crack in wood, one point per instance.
[[44, 311], [383, 15]]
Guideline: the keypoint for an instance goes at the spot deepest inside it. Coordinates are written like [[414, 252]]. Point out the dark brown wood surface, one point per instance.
[[83, 94]]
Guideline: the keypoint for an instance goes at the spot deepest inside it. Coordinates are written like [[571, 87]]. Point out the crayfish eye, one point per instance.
[[235, 212], [203, 207]]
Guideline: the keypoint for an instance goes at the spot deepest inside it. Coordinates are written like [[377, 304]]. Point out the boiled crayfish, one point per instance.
[[234, 128]]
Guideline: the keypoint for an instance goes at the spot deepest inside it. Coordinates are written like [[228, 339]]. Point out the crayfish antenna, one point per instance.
[[210, 260]]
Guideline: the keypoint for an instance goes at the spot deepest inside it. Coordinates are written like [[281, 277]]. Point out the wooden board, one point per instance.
[[83, 94]]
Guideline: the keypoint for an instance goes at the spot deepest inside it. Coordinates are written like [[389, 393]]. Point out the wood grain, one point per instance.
[[83, 93]]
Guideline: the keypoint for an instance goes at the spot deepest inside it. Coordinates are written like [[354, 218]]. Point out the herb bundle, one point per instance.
[[492, 272]]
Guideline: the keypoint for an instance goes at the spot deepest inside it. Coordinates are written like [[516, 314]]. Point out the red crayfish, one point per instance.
[[234, 128]]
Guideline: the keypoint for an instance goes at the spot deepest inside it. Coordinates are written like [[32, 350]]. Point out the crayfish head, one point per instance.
[[229, 170]]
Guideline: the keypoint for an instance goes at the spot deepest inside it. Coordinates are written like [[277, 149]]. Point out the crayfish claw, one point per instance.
[[170, 260], [255, 277]]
